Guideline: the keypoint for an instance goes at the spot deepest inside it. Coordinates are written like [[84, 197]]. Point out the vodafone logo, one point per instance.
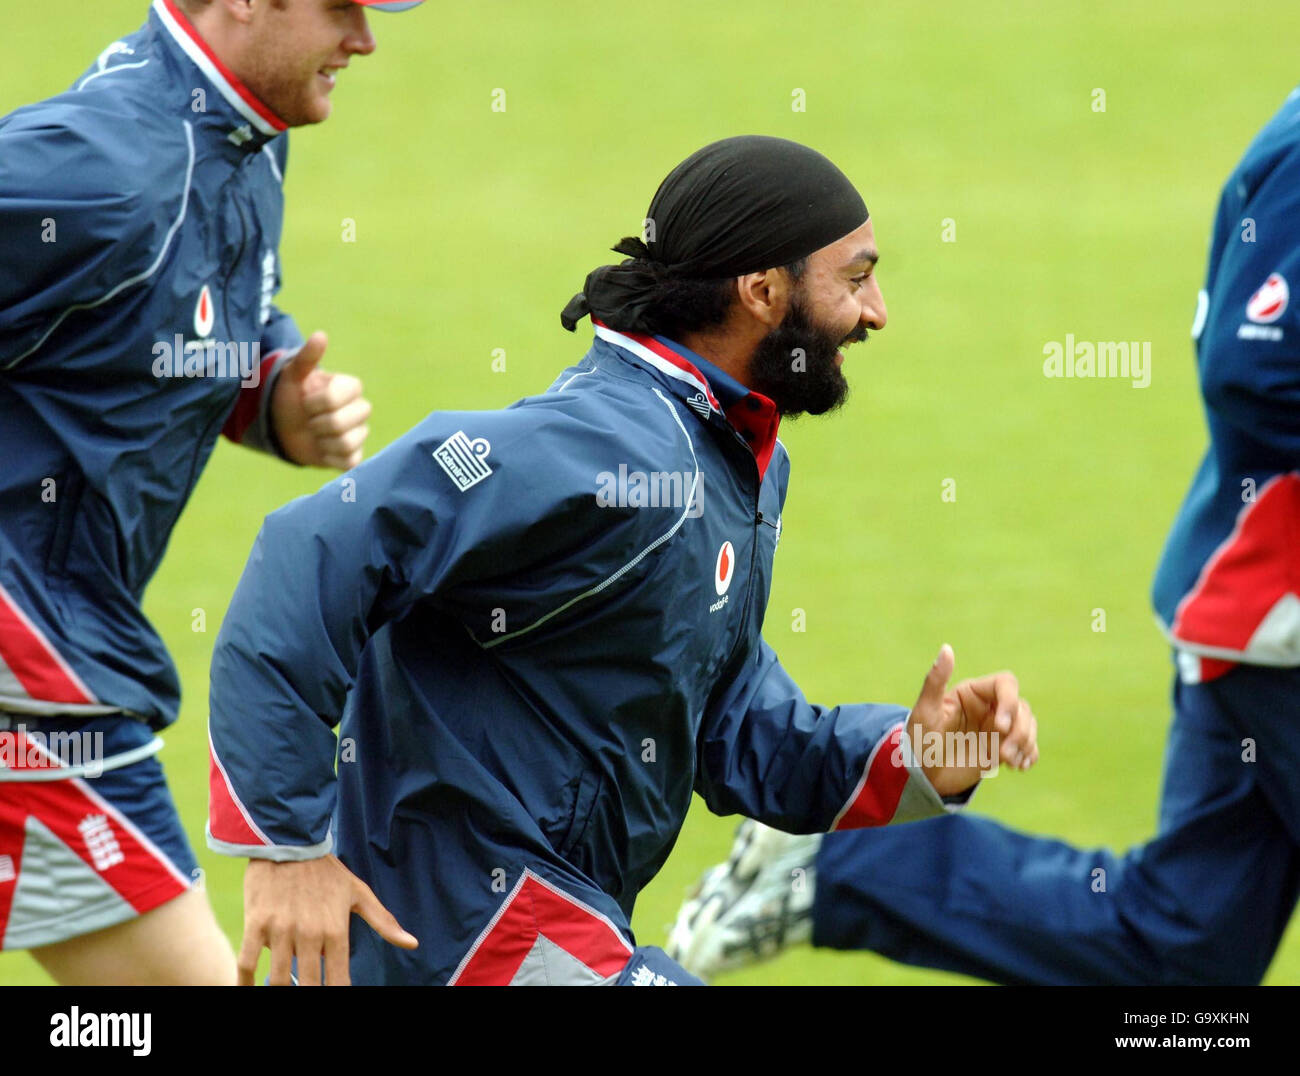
[[205, 314], [1269, 302], [725, 569]]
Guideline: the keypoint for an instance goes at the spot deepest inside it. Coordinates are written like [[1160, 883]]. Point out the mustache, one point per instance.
[[857, 336]]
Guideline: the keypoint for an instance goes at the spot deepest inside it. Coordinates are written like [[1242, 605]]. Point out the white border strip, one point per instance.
[[1219, 653], [92, 769], [275, 166], [571, 380], [108, 71], [276, 853], [491, 925]]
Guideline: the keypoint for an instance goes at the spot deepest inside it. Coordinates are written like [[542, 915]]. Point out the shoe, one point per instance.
[[751, 907]]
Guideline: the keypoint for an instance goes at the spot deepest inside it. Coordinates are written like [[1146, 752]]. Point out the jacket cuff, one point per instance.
[[931, 802], [261, 434], [279, 853], [894, 788]]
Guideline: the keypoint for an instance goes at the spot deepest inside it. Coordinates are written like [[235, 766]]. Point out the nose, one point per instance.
[[874, 314], [360, 41]]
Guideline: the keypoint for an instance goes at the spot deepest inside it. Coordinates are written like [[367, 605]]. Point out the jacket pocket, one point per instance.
[[584, 802]]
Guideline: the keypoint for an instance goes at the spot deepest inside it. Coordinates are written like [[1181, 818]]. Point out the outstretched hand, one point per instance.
[[303, 910]]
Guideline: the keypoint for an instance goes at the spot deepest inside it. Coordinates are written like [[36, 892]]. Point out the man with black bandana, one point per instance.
[[731, 207], [533, 663]]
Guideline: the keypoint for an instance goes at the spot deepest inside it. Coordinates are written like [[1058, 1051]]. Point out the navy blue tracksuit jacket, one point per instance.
[[140, 218], [538, 630]]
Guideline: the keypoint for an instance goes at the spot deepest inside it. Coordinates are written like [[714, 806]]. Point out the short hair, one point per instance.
[[686, 305]]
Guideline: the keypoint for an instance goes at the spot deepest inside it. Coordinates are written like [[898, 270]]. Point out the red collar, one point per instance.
[[751, 414], [239, 96], [756, 420]]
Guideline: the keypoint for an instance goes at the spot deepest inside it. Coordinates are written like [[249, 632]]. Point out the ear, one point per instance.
[[241, 11], [765, 296]]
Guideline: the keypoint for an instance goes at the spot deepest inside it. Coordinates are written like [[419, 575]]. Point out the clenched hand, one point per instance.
[[319, 417], [989, 706]]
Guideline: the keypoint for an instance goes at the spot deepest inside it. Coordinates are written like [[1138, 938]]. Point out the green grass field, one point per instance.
[[474, 227]]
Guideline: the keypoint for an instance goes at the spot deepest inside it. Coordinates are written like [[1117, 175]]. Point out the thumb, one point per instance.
[[381, 919], [308, 356], [936, 680]]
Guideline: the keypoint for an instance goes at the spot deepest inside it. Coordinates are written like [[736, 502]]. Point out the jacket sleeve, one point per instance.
[[76, 227], [767, 753], [1250, 348], [445, 506], [250, 421]]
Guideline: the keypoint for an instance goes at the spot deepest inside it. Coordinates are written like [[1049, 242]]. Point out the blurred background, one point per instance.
[[1009, 209]]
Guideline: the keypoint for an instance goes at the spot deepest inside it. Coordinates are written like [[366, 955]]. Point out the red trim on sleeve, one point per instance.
[[249, 401], [226, 819], [875, 800]]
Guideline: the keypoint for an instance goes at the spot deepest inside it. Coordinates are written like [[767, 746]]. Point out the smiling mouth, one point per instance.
[[848, 343]]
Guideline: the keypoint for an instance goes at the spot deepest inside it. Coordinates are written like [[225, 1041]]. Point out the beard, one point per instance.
[[794, 365]]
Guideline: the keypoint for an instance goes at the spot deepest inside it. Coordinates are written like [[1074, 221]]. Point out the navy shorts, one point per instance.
[[89, 850]]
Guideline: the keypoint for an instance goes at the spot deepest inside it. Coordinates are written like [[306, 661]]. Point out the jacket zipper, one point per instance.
[[753, 547]]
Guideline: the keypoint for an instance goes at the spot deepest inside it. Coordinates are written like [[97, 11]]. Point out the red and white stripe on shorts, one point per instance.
[[103, 856]]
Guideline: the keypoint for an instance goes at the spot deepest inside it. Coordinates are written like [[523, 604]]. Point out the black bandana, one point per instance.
[[737, 206]]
